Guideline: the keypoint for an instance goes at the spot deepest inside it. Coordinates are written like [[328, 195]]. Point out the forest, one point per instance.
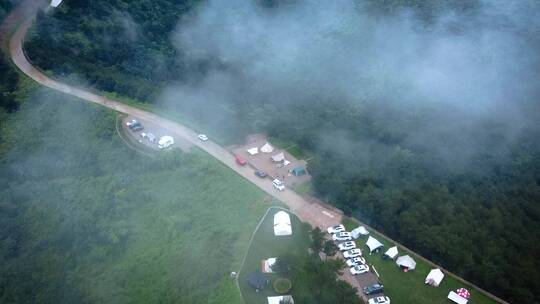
[[458, 184]]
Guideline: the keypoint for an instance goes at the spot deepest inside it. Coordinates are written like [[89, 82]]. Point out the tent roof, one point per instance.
[[257, 280], [357, 232], [434, 277], [392, 252], [268, 263], [373, 243], [406, 261], [267, 148], [55, 3], [456, 298], [277, 299], [253, 151], [282, 223], [278, 157]]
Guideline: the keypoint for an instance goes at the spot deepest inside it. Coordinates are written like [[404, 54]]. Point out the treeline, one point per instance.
[[466, 196]]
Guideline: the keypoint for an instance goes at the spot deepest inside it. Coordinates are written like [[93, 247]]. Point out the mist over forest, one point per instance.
[[420, 117]]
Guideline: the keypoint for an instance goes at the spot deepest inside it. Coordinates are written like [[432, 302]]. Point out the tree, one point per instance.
[[317, 239], [329, 248]]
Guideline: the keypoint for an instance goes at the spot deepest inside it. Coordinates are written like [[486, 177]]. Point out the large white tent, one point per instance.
[[267, 148], [253, 151], [373, 244], [282, 223], [278, 157], [406, 261], [268, 263], [457, 298], [358, 232], [278, 299], [434, 277], [55, 3], [392, 252]]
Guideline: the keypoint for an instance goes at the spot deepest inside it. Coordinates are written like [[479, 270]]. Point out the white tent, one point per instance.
[[373, 244], [434, 277], [253, 151], [358, 232], [277, 300], [267, 148], [55, 3], [278, 157], [406, 261], [456, 298], [282, 223], [268, 263], [392, 252]]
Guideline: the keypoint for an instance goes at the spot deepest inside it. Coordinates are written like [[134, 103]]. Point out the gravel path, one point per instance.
[[313, 213]]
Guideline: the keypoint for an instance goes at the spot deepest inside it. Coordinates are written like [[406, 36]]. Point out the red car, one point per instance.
[[240, 160]]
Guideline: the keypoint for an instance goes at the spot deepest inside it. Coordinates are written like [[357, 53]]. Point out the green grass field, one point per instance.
[[409, 287], [266, 245], [96, 222]]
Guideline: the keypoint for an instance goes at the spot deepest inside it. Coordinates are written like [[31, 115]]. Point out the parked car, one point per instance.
[[355, 261], [347, 246], [137, 128], [165, 142], [359, 269], [342, 236], [278, 184], [130, 123], [352, 253], [202, 137], [336, 229], [373, 289], [379, 300], [260, 173], [240, 160]]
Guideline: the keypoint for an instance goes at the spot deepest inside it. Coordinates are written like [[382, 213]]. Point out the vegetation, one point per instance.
[[282, 285], [294, 262], [85, 219], [465, 196]]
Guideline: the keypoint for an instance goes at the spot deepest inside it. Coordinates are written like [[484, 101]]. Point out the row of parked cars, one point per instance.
[[354, 260]]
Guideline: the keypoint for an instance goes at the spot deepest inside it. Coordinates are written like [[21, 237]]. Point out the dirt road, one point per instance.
[[316, 214]]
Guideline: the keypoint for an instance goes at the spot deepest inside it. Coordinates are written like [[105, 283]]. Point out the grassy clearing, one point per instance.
[[96, 222], [266, 245], [409, 287]]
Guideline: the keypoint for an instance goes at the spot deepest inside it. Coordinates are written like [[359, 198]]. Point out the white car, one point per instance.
[[202, 137], [278, 184], [131, 123], [352, 253], [342, 236], [379, 300], [336, 229], [347, 246], [165, 142], [355, 261], [359, 269]]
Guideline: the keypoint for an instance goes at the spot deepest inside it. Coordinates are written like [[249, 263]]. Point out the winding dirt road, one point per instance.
[[313, 213]]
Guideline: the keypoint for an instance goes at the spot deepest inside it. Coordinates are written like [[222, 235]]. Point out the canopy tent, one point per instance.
[[282, 223], [55, 3], [278, 299], [358, 232], [373, 244], [456, 298], [278, 157], [267, 265], [257, 280], [406, 261], [267, 148], [253, 151], [392, 252], [464, 293], [434, 277], [297, 171]]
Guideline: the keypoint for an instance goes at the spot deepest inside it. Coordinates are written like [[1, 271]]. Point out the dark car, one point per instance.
[[373, 289], [133, 124], [260, 173], [137, 128]]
